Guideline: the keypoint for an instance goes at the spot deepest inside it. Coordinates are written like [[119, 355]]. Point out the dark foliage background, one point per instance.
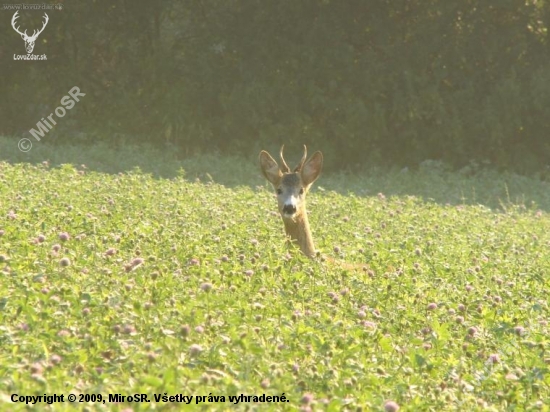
[[381, 82]]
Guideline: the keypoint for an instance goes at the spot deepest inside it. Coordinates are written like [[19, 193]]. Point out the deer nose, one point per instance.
[[289, 209]]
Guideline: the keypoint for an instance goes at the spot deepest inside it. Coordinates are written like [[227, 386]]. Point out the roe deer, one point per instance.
[[291, 189]]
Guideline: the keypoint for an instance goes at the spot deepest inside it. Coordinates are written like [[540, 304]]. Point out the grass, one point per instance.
[[136, 283]]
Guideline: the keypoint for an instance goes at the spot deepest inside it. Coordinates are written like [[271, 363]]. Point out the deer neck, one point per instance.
[[298, 231]]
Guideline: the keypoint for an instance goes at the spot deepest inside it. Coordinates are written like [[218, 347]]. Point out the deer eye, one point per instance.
[[279, 191], [302, 191]]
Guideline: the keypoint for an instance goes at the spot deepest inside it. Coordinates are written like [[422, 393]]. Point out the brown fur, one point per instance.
[[295, 185]]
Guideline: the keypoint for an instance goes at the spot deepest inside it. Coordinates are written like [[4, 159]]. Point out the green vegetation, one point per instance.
[[137, 283], [377, 81]]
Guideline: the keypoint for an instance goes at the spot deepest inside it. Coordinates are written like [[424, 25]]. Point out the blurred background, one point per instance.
[[381, 82]]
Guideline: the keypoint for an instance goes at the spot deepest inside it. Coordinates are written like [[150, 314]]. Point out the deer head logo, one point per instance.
[[29, 40]]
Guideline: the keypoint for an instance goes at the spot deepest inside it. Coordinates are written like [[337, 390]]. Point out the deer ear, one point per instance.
[[312, 169], [270, 168]]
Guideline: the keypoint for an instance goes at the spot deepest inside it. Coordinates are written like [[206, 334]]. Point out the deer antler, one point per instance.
[[35, 35], [15, 17], [301, 164], [35, 32], [284, 166]]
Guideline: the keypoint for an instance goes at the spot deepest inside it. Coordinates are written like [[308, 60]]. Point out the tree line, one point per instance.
[[380, 82]]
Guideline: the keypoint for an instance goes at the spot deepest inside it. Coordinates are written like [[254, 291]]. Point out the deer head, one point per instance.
[[291, 188], [29, 40]]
